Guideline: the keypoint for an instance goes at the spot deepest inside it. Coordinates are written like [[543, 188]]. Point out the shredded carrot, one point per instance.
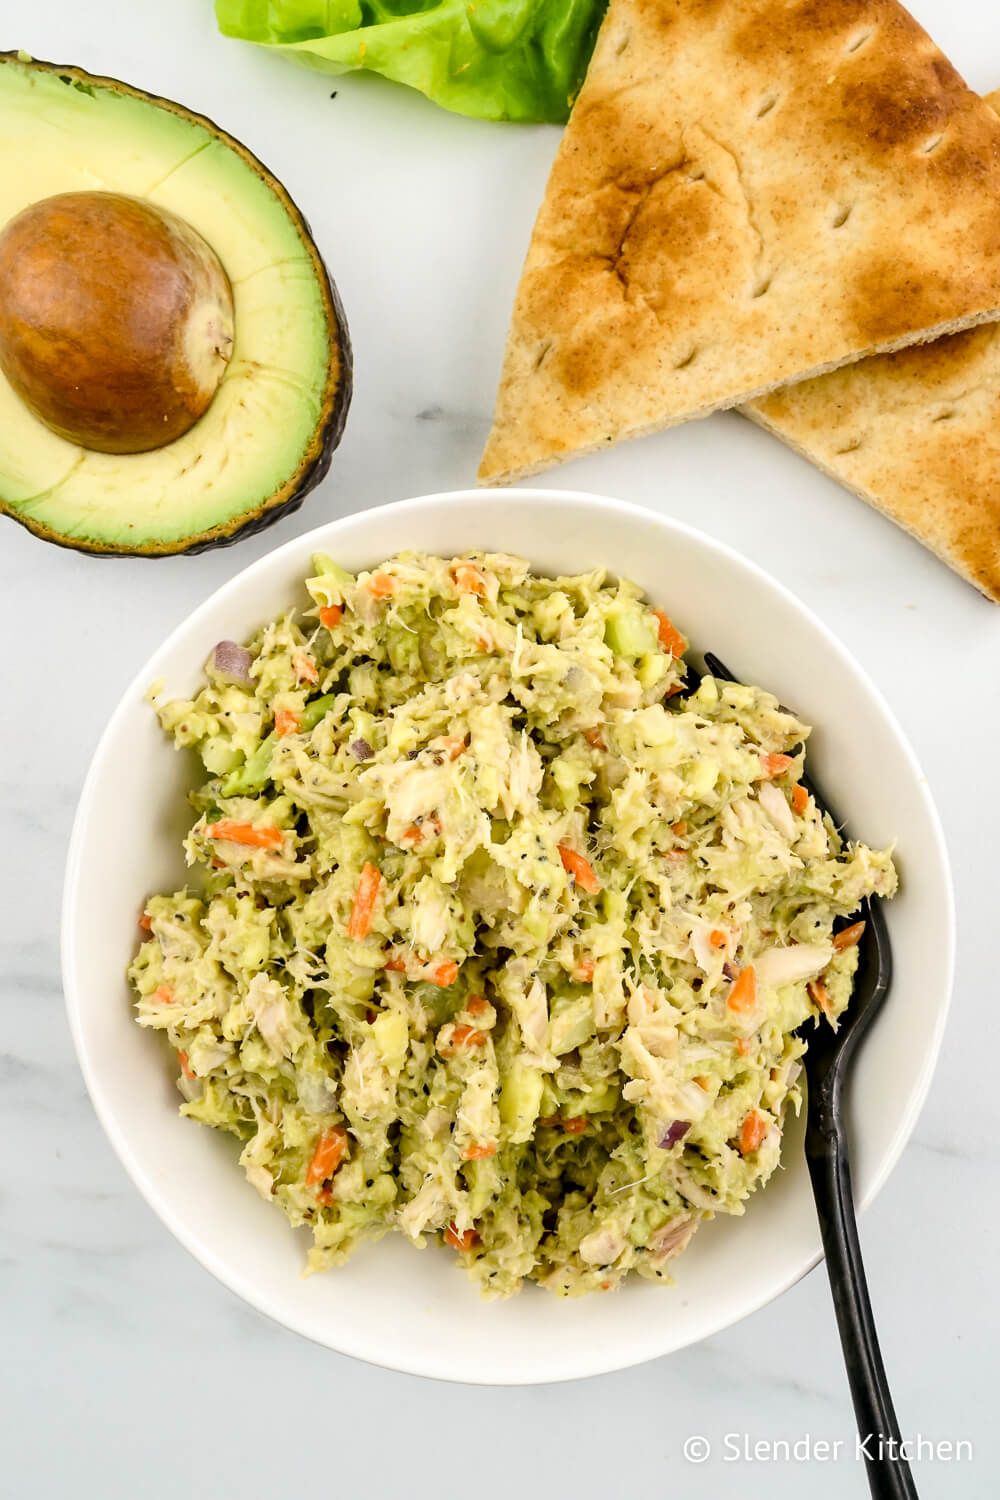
[[163, 995], [479, 1152], [464, 1239], [452, 745], [595, 737], [382, 585], [444, 973], [669, 636], [775, 765], [581, 869], [680, 828], [396, 964], [360, 921], [305, 668], [476, 1005], [800, 798], [331, 615], [328, 1155], [752, 1132], [469, 578], [574, 1125], [186, 1067], [411, 835], [702, 1081], [286, 721], [265, 837], [818, 994], [218, 864], [584, 971], [717, 938], [744, 1046], [324, 1195], [464, 1036], [742, 996], [848, 936], [146, 922], [606, 1286]]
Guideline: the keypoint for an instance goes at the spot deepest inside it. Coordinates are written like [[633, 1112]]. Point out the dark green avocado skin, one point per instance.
[[315, 463], [332, 432]]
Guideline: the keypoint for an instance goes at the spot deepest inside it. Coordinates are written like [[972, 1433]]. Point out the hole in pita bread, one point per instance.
[[688, 359], [932, 144], [858, 42], [851, 447], [763, 286], [540, 356], [767, 105], [945, 416], [623, 44], [698, 175], [841, 217]]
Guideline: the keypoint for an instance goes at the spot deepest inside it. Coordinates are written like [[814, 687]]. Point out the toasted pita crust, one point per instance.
[[748, 193], [917, 435]]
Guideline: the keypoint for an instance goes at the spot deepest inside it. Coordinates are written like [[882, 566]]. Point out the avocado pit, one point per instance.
[[116, 320]]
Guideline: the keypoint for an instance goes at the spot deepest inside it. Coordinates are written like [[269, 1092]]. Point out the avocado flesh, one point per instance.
[[269, 434]]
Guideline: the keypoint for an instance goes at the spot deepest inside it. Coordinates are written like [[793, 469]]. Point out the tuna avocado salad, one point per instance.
[[496, 935]]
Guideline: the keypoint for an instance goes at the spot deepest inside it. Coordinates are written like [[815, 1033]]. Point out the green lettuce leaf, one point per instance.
[[493, 59]]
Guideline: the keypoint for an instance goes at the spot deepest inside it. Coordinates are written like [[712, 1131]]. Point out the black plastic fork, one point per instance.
[[828, 1060]]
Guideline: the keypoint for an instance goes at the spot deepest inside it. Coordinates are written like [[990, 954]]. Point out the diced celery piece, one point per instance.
[[567, 773], [651, 668], [537, 922], [481, 1177], [255, 945], [391, 1036], [330, 582], [603, 1096], [253, 774], [404, 650], [630, 631], [219, 754], [701, 778], [520, 1098], [571, 1024], [612, 904]]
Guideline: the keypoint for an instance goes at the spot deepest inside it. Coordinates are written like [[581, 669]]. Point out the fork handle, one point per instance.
[[889, 1476]]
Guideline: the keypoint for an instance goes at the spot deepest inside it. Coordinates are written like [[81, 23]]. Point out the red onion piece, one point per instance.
[[673, 1134], [361, 750], [232, 662]]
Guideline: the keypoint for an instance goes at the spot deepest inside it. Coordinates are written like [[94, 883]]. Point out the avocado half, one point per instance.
[[269, 435]]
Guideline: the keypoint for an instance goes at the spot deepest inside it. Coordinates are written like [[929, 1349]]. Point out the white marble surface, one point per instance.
[[124, 1368]]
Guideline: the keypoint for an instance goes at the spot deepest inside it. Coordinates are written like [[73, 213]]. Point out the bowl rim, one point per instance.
[[372, 1351]]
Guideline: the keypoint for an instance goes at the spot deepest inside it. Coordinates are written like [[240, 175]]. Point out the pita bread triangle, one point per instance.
[[748, 193], [917, 435]]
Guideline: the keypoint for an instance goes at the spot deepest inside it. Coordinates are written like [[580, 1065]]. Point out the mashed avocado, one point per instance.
[[499, 937]]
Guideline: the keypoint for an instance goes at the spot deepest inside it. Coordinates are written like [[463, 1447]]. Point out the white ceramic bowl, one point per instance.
[[414, 1311]]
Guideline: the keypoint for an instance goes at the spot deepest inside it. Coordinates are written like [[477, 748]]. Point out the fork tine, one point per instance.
[[718, 668]]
